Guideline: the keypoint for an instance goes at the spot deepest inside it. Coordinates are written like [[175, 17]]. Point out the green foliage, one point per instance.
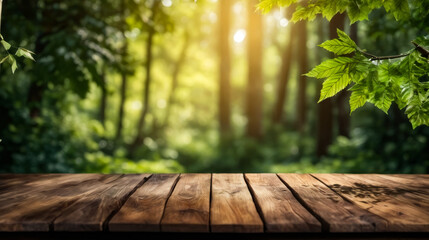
[[356, 9], [20, 52], [377, 80], [343, 45]]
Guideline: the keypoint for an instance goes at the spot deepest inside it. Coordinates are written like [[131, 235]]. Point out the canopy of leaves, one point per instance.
[[356, 9]]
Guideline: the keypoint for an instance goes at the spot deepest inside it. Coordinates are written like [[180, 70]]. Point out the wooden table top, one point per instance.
[[223, 203]]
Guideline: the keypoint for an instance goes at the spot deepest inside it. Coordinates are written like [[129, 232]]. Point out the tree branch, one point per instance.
[[375, 58], [422, 50]]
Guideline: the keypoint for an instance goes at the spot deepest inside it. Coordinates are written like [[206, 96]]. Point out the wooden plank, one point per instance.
[[188, 207], [336, 214], [413, 192], [232, 207], [420, 182], [22, 183], [279, 208], [91, 212], [404, 213], [40, 199], [144, 208]]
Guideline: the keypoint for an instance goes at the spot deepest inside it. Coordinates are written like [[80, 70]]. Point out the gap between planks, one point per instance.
[[323, 222], [255, 201], [168, 198], [123, 201]]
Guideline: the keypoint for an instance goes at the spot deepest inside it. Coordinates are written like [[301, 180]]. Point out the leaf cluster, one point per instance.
[[356, 9], [404, 80], [9, 58]]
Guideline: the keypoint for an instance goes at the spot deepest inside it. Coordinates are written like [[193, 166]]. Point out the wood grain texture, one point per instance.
[[91, 211], [279, 208], [188, 207], [419, 182], [404, 209], [144, 208], [232, 206], [34, 201], [337, 214]]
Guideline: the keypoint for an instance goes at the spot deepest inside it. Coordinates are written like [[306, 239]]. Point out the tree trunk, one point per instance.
[[283, 77], [175, 79], [124, 79], [37, 86], [302, 80], [103, 99], [138, 140], [325, 117], [254, 87], [122, 100], [224, 67]]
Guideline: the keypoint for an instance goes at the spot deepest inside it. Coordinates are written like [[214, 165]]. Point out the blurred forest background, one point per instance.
[[123, 86]]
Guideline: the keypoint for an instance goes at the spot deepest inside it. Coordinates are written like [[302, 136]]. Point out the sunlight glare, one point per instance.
[[161, 103], [284, 22], [167, 3], [239, 35], [136, 105]]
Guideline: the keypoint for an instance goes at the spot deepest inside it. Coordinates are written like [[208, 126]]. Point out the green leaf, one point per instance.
[[24, 53], [12, 62], [338, 47], [358, 97], [358, 11], [383, 102], [5, 44], [334, 84], [4, 59], [26, 50], [418, 111], [266, 5], [399, 8], [345, 38], [19, 52], [306, 13], [286, 3], [331, 67]]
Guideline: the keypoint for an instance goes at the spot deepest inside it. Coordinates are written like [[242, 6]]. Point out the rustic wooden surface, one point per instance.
[[222, 203], [232, 206], [188, 208]]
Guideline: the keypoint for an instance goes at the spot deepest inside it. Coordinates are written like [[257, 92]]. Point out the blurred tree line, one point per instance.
[[191, 86]]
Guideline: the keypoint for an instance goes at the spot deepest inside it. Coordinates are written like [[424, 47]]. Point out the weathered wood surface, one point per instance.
[[188, 208], [35, 201], [401, 206], [245, 203], [144, 209], [91, 211], [232, 208], [336, 214], [279, 208]]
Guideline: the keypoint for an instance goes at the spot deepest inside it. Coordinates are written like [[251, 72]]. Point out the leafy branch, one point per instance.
[[20, 52], [404, 81]]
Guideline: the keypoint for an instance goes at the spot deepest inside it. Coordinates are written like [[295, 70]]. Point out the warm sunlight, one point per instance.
[[284, 22], [167, 3], [239, 35]]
